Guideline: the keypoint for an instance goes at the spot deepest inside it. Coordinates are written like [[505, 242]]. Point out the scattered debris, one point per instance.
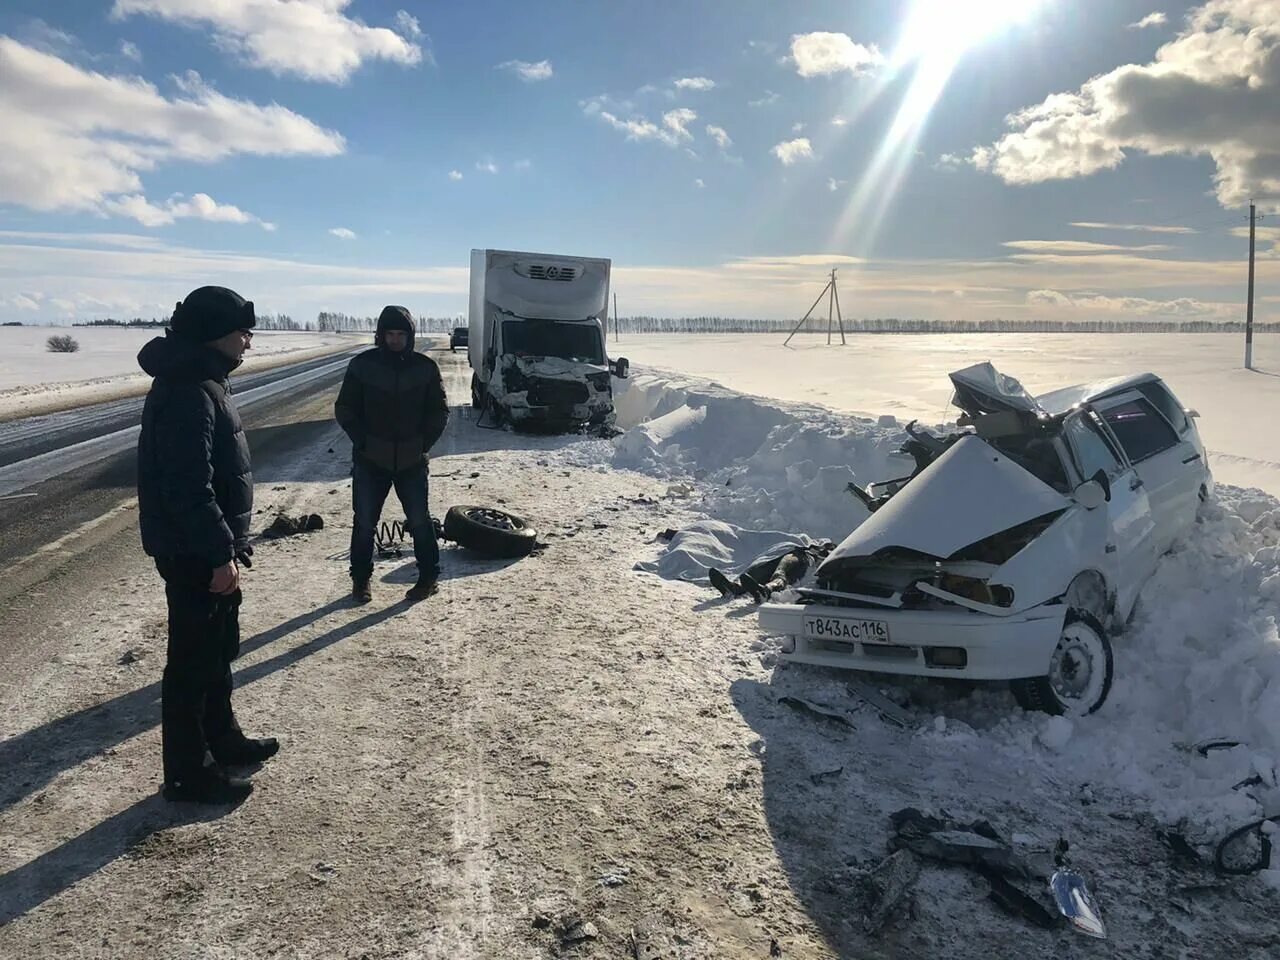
[[808, 706], [285, 526], [128, 657], [824, 775], [775, 948], [1071, 894], [879, 892], [889, 711], [573, 929], [616, 877]]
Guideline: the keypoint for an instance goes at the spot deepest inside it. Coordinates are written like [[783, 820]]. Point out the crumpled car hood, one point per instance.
[[982, 389], [971, 492]]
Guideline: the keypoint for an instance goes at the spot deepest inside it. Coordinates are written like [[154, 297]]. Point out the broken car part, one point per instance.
[[491, 531]]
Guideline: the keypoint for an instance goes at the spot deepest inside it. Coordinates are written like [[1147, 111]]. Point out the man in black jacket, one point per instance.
[[195, 502], [392, 406]]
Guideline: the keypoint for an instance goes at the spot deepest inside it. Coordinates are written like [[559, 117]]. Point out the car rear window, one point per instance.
[[1163, 401], [1141, 431]]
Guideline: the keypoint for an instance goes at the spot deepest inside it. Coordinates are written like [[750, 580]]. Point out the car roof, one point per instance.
[[1066, 399]]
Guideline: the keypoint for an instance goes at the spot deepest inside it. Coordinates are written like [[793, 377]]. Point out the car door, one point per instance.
[[1191, 453], [1156, 453], [1130, 550]]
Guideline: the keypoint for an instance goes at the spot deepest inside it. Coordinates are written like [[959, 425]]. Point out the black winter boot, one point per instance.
[[360, 592], [245, 751], [210, 785], [425, 587]]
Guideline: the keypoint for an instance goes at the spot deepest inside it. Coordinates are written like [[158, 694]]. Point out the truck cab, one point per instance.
[[537, 339]]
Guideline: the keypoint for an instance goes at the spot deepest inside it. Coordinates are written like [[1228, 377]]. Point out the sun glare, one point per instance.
[[947, 28], [935, 36]]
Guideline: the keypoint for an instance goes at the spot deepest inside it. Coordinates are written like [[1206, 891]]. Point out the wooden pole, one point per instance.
[[806, 315], [1248, 317]]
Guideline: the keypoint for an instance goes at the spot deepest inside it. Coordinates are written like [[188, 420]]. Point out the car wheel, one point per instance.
[[486, 530], [476, 402], [1080, 671]]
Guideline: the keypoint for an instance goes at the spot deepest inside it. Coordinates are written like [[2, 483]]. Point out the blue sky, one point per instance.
[[324, 154]]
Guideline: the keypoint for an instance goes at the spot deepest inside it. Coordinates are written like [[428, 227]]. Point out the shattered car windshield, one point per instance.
[[576, 342], [1038, 455]]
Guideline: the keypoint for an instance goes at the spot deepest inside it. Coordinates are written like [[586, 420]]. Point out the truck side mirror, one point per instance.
[[621, 367]]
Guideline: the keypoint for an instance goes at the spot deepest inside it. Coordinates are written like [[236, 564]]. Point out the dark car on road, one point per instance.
[[458, 338]]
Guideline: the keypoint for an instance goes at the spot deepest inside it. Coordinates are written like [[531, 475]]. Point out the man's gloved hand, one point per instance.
[[243, 557]]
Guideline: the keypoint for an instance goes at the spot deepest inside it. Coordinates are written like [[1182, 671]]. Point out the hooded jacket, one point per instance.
[[392, 404], [195, 485]]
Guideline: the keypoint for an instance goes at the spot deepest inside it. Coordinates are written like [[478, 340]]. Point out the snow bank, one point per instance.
[[1201, 660]]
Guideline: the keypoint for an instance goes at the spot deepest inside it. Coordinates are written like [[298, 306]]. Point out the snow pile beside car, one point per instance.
[[1200, 660], [764, 464]]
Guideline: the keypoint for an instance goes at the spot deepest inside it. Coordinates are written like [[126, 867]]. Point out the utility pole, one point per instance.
[[833, 302], [1248, 316]]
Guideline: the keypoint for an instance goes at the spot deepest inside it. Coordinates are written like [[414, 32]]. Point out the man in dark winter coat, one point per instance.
[[195, 501], [392, 406]]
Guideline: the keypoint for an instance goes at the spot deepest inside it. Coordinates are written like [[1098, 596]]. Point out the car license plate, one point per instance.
[[850, 631]]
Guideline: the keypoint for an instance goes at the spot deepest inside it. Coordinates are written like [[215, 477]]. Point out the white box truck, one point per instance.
[[537, 339]]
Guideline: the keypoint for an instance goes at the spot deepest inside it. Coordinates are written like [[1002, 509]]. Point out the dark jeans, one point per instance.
[[369, 489], [204, 637]]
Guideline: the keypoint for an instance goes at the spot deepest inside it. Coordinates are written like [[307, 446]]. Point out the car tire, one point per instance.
[[486, 530], [1065, 690], [476, 402]]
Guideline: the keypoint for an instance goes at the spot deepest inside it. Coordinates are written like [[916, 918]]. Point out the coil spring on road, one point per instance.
[[390, 538]]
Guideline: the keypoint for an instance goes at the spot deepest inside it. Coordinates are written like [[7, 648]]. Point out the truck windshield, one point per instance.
[[578, 342]]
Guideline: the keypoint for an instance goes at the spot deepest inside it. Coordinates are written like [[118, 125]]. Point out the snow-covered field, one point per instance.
[[33, 380], [907, 375]]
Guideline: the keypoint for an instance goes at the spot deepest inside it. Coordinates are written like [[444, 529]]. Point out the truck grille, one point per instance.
[[555, 393], [551, 271]]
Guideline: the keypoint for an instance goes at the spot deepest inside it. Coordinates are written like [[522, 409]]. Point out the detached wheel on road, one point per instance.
[[1080, 671], [486, 530]]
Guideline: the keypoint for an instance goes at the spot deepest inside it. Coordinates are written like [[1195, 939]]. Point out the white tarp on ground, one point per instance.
[[713, 543]]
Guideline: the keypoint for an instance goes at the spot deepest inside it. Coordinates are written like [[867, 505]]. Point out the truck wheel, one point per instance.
[[485, 530], [1080, 671], [476, 402]]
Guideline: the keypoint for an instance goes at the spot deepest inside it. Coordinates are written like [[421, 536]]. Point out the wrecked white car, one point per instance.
[[1016, 547]]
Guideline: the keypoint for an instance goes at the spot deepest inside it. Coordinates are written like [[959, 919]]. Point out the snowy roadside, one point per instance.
[[562, 736], [34, 381]]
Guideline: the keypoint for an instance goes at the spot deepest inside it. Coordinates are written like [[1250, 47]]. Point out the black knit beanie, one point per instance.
[[211, 312]]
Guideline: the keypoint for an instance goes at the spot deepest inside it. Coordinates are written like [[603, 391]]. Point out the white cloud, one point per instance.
[[797, 127], [199, 206], [1213, 91], [839, 122], [342, 233], [768, 98], [698, 84], [1182, 308], [720, 136], [312, 39], [824, 54], [455, 174], [130, 51], [673, 131], [1082, 246], [71, 139], [1156, 19], [677, 122], [407, 25], [950, 161], [486, 166], [529, 72], [1132, 227], [834, 185], [698, 183], [793, 151]]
